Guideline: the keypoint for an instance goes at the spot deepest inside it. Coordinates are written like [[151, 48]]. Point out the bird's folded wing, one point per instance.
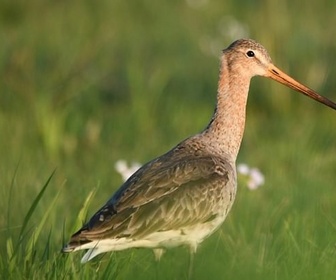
[[162, 195]]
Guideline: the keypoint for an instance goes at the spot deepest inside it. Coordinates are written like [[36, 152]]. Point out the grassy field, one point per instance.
[[87, 83]]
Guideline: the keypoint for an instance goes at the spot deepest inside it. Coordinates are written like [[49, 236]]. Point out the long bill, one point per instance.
[[281, 77]]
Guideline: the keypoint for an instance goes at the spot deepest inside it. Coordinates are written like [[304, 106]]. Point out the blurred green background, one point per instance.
[[86, 83]]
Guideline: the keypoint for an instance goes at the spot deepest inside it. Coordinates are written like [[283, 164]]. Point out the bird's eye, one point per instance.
[[250, 54]]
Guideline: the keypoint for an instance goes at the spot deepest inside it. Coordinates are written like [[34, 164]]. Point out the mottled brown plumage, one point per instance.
[[183, 196]]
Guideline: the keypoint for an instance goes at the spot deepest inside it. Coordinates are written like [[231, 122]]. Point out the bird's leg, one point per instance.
[[192, 251], [158, 252], [191, 264]]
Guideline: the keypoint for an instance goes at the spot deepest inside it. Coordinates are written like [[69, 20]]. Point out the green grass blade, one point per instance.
[[82, 215], [31, 211], [10, 199], [34, 204], [40, 226]]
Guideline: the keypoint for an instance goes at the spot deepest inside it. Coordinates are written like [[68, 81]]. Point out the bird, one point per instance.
[[181, 197]]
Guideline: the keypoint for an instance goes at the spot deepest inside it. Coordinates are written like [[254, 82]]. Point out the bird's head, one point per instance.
[[249, 58]]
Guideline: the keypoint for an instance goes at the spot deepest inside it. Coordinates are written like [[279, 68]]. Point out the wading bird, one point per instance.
[[183, 196]]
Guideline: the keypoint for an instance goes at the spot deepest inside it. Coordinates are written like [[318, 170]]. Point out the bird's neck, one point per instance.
[[225, 131]]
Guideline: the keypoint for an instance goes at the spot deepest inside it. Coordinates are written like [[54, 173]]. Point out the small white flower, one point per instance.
[[243, 168], [229, 29], [255, 178], [232, 28], [124, 170]]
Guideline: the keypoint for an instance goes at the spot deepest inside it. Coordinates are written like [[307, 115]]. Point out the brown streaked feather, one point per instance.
[[170, 192]]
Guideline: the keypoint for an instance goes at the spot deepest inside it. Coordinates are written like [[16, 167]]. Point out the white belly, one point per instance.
[[190, 236]]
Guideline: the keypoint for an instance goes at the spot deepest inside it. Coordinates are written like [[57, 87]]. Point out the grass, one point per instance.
[[86, 84]]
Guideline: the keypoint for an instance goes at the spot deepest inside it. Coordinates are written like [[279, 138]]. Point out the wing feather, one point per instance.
[[171, 192]]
